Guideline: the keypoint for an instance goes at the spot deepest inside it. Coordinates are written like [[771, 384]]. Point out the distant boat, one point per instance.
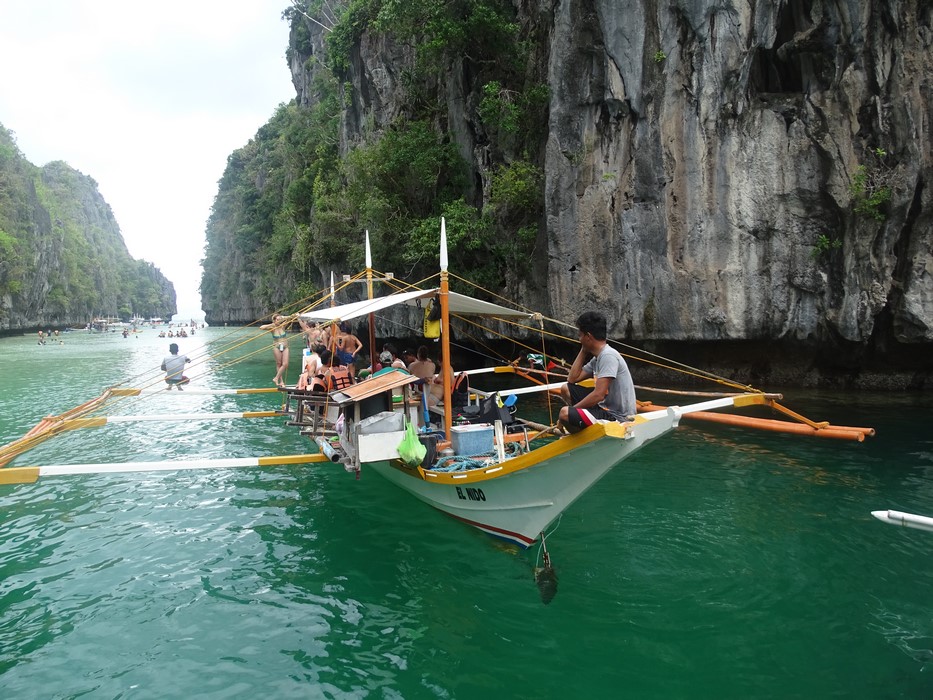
[[155, 322]]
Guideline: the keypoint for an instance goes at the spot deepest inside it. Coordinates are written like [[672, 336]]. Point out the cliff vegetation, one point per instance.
[[62, 258]]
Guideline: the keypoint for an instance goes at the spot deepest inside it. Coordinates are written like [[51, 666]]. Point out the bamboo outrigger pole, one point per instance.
[[822, 430], [49, 426], [98, 421], [129, 391], [29, 475]]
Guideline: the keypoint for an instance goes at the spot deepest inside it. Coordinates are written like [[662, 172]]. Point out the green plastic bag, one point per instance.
[[410, 448]]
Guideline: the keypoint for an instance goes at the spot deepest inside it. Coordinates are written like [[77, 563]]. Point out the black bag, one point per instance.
[[434, 309], [460, 392], [490, 411]]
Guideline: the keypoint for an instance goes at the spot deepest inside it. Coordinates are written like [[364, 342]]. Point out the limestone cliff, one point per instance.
[[698, 152], [62, 257], [730, 172], [709, 166]]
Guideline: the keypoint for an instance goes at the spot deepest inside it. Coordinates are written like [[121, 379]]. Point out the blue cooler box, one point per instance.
[[471, 439]]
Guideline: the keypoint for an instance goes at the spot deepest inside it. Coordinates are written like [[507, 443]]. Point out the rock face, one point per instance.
[[62, 257], [699, 152], [701, 157]]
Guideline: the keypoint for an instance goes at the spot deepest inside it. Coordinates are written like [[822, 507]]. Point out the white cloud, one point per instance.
[[149, 99]]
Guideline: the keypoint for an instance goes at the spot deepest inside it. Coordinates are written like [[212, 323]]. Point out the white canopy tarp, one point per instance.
[[458, 304]]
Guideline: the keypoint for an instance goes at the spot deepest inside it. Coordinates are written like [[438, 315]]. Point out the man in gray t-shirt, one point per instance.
[[613, 397], [174, 366]]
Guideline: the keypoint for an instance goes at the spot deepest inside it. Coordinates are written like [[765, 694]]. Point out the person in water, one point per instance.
[[174, 366], [613, 397], [279, 345]]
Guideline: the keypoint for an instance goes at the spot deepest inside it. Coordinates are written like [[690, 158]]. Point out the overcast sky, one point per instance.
[[149, 99]]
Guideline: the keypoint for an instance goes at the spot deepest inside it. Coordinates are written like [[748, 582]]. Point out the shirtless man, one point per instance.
[[346, 347], [314, 334]]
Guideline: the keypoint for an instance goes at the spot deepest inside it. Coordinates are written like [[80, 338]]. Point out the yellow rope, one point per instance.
[[550, 410]]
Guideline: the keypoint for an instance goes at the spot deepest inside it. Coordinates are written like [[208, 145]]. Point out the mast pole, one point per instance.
[[331, 333], [445, 332], [372, 316]]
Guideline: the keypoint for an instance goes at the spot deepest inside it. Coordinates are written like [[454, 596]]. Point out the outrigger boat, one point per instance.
[[494, 478], [491, 469]]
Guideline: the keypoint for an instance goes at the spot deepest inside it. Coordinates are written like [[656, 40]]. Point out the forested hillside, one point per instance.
[[62, 258], [293, 204]]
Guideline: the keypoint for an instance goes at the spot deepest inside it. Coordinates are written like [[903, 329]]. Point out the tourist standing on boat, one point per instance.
[[279, 345], [346, 346], [613, 397], [174, 366]]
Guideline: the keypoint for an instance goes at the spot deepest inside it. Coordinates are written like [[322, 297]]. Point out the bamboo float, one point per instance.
[[838, 432], [29, 475], [45, 428]]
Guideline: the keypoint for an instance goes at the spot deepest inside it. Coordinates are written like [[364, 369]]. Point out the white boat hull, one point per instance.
[[518, 505]]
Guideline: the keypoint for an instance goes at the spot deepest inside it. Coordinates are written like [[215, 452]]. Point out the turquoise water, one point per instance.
[[716, 563]]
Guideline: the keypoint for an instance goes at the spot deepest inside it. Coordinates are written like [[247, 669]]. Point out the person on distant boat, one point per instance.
[[613, 397], [279, 345], [174, 366]]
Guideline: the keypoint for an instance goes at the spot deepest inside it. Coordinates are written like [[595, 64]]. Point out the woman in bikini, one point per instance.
[[279, 345]]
